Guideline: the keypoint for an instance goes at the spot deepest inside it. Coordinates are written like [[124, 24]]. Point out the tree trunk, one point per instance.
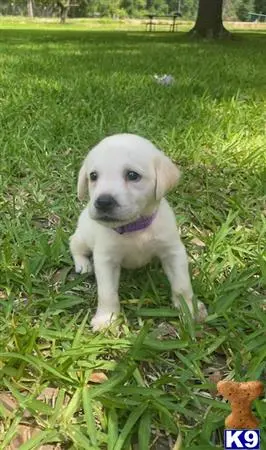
[[209, 21], [63, 10], [30, 8], [64, 14]]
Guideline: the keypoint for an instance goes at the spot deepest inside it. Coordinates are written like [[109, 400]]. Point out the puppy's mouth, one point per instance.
[[112, 218], [112, 221], [107, 219]]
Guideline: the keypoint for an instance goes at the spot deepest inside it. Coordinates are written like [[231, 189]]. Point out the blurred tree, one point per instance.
[[209, 20], [30, 8], [244, 8], [80, 10], [260, 6], [158, 7], [229, 9], [64, 6], [133, 8], [104, 7]]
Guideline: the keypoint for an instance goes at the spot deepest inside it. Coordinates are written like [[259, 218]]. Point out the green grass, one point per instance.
[[61, 91]]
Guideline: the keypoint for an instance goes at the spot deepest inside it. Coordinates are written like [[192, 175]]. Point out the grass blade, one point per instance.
[[144, 431], [79, 333], [112, 429], [77, 436], [89, 418], [123, 372], [128, 427], [157, 312], [36, 362], [72, 407]]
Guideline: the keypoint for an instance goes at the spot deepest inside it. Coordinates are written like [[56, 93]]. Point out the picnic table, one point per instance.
[[155, 20]]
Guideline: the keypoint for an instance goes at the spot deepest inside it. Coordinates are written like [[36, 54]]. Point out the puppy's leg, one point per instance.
[[175, 265], [107, 275], [80, 253]]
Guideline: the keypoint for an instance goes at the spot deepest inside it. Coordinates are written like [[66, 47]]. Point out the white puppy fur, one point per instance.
[[135, 175]]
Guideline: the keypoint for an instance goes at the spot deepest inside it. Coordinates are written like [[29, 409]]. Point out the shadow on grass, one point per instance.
[[44, 35], [230, 66]]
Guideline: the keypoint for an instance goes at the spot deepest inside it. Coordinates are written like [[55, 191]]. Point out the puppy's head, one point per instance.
[[125, 176]]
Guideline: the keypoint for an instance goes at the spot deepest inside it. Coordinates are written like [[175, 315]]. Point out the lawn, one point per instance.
[[153, 377]]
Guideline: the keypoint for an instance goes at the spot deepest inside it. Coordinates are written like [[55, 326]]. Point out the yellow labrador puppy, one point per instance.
[[127, 221]]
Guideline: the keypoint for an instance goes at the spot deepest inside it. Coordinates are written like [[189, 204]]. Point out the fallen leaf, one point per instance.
[[24, 434], [60, 276], [53, 219], [165, 330], [8, 401], [214, 378], [98, 377], [178, 443], [196, 241], [3, 295], [46, 222], [50, 447], [48, 395]]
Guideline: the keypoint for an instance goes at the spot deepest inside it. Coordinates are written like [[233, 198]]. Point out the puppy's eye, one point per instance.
[[93, 176], [132, 176]]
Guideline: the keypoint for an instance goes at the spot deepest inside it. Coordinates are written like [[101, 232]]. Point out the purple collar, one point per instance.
[[139, 224]]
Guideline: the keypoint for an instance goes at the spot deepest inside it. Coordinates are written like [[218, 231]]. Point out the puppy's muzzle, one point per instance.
[[105, 203]]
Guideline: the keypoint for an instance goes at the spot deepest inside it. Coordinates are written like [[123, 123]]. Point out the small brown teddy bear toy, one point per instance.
[[240, 396]]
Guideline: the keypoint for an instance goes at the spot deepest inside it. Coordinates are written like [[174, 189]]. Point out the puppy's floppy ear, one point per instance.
[[167, 175], [83, 182]]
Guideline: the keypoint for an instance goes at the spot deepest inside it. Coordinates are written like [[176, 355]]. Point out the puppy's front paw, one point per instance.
[[199, 315], [83, 265], [202, 313], [178, 303], [102, 320]]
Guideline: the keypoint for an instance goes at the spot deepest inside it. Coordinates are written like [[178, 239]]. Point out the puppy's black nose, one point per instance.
[[105, 202]]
